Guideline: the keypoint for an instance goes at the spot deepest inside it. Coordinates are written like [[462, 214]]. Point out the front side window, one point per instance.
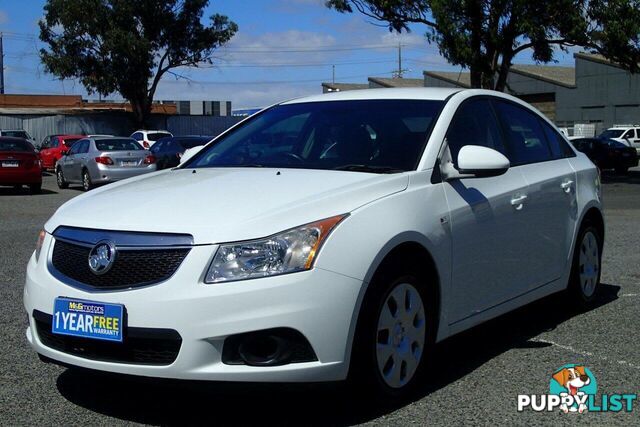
[[526, 142], [474, 124], [124, 144], [70, 141], [361, 135]]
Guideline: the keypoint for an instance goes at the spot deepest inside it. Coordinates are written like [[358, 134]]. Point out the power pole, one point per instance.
[[400, 60], [398, 74], [333, 75], [1, 67]]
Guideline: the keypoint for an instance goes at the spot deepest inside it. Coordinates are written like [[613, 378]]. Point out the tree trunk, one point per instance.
[[141, 110]]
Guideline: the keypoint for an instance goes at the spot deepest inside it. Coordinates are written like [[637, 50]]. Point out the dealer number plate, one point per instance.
[[88, 319]]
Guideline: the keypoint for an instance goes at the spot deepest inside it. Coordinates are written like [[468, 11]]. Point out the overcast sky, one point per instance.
[[283, 49]]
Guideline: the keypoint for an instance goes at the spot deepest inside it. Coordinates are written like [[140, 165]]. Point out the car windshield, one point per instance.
[[157, 135], [612, 133], [117, 145], [14, 145], [382, 136], [16, 133]]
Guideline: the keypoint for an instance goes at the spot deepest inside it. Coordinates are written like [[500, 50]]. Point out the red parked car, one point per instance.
[[52, 147], [19, 164]]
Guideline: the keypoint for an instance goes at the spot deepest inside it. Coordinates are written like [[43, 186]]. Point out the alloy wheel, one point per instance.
[[400, 336], [589, 263]]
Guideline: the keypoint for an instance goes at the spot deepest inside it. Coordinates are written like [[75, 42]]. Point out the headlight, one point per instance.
[[287, 252], [39, 243]]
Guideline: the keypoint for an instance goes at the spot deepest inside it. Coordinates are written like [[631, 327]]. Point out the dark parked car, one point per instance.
[[19, 164], [608, 153], [168, 151]]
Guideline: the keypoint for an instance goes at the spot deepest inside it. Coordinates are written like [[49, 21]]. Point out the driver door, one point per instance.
[[488, 232]]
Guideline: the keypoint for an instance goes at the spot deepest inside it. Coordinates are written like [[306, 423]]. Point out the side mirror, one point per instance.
[[64, 152], [481, 161], [189, 153], [477, 161]]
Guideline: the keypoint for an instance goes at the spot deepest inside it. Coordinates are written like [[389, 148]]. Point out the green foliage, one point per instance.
[[126, 46], [485, 35]]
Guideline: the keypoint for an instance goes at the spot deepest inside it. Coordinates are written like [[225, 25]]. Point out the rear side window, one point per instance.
[[14, 145], [558, 145], [156, 136], [117, 145], [526, 141], [474, 124]]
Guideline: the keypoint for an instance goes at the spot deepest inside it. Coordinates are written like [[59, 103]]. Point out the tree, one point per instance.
[[486, 35], [127, 46]]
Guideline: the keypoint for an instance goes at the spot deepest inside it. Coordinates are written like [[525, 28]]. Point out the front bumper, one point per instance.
[[317, 303]]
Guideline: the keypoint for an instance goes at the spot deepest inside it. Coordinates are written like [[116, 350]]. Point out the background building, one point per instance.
[[595, 91]]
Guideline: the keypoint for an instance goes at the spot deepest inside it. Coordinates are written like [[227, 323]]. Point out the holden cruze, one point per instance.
[[329, 237]]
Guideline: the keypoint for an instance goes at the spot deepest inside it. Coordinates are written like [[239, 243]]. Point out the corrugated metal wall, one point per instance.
[[200, 125], [40, 126]]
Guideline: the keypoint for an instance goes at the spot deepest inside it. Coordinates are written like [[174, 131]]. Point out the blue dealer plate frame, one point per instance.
[[88, 319]]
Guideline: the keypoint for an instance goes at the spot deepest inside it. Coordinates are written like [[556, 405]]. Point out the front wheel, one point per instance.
[[394, 332], [62, 183], [587, 259], [86, 181]]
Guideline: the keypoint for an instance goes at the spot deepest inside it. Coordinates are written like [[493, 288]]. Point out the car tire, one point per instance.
[[86, 181], [35, 188], [62, 183], [393, 338], [584, 281]]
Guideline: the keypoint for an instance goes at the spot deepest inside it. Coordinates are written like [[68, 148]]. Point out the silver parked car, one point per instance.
[[100, 160]]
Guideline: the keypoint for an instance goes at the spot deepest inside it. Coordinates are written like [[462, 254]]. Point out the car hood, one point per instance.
[[224, 204]]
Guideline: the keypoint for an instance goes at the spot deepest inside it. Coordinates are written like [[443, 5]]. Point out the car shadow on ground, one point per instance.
[[631, 177], [181, 402]]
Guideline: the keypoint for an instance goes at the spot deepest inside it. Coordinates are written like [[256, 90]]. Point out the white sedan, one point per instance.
[[330, 237]]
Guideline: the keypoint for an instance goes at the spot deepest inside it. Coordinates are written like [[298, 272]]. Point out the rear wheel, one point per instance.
[[60, 179], [86, 181], [35, 188], [395, 330], [585, 272]]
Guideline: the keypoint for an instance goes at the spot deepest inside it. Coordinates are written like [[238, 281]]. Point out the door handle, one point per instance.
[[518, 202], [566, 186]]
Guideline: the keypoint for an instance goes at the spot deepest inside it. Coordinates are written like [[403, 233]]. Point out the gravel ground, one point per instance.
[[478, 376]]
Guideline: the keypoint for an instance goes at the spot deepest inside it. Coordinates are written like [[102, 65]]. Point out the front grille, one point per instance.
[[143, 346], [132, 268]]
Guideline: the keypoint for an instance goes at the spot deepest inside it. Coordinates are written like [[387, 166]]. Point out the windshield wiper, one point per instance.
[[366, 168]]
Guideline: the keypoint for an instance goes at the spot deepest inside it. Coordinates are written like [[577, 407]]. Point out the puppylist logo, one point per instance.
[[573, 389]]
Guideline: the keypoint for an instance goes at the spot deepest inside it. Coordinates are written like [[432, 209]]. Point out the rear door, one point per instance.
[[550, 209], [488, 229]]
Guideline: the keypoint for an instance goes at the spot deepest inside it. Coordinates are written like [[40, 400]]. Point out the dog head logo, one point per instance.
[[573, 379], [573, 383]]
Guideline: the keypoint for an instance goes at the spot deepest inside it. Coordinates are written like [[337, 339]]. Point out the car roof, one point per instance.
[[426, 93], [63, 136]]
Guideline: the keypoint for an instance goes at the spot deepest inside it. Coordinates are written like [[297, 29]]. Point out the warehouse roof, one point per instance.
[[344, 86], [396, 82], [563, 76]]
